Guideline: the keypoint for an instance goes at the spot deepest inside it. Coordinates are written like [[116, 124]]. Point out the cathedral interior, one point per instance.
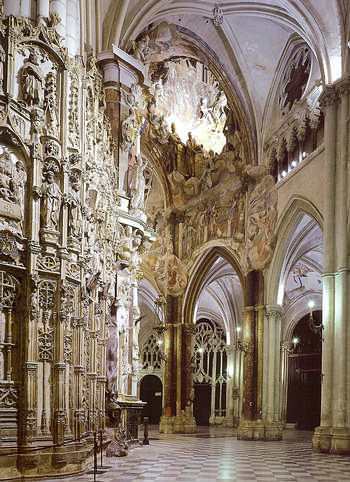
[[175, 240]]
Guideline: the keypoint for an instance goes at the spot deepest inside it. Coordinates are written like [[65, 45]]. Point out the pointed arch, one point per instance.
[[294, 212], [198, 276]]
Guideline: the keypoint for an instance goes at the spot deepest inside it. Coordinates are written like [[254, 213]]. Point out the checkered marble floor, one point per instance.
[[216, 456]]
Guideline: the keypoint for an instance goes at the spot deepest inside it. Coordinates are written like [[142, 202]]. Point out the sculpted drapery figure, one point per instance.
[[138, 184], [175, 150], [51, 202], [32, 81], [74, 213]]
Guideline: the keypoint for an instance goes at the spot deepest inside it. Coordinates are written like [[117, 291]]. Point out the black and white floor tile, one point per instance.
[[219, 457]]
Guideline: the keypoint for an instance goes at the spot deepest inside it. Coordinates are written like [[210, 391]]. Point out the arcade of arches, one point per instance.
[[174, 224]]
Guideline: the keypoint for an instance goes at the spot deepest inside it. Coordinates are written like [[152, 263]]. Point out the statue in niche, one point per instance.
[[138, 184], [74, 212], [51, 202], [32, 81], [50, 105], [2, 63]]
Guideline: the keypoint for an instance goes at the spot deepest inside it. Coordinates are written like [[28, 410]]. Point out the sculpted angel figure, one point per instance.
[[32, 81], [51, 202]]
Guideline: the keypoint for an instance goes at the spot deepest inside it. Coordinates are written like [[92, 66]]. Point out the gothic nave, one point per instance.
[[175, 239]]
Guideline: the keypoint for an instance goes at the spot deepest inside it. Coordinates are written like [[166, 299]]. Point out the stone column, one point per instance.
[[272, 373], [28, 420], [60, 369], [78, 373], [43, 9], [284, 381], [186, 422], [251, 426], [169, 373]]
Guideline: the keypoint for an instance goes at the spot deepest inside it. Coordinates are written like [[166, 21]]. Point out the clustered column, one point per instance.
[[333, 434]]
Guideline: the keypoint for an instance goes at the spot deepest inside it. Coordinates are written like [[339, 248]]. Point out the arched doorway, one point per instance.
[[305, 373], [151, 390]]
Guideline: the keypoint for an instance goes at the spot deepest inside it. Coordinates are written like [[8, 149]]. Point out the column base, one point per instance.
[[185, 423], [180, 424], [273, 431], [251, 430], [331, 440], [166, 424], [259, 430]]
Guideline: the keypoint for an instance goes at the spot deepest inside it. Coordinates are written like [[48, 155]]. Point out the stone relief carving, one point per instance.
[[13, 178], [162, 41], [261, 219], [2, 61], [73, 116], [132, 124], [8, 290], [50, 105]]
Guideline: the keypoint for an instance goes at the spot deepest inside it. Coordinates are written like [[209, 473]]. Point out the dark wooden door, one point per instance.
[[151, 392], [202, 403]]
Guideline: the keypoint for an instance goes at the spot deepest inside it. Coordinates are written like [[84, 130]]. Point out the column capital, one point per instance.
[[274, 311], [121, 68], [343, 86], [329, 96]]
